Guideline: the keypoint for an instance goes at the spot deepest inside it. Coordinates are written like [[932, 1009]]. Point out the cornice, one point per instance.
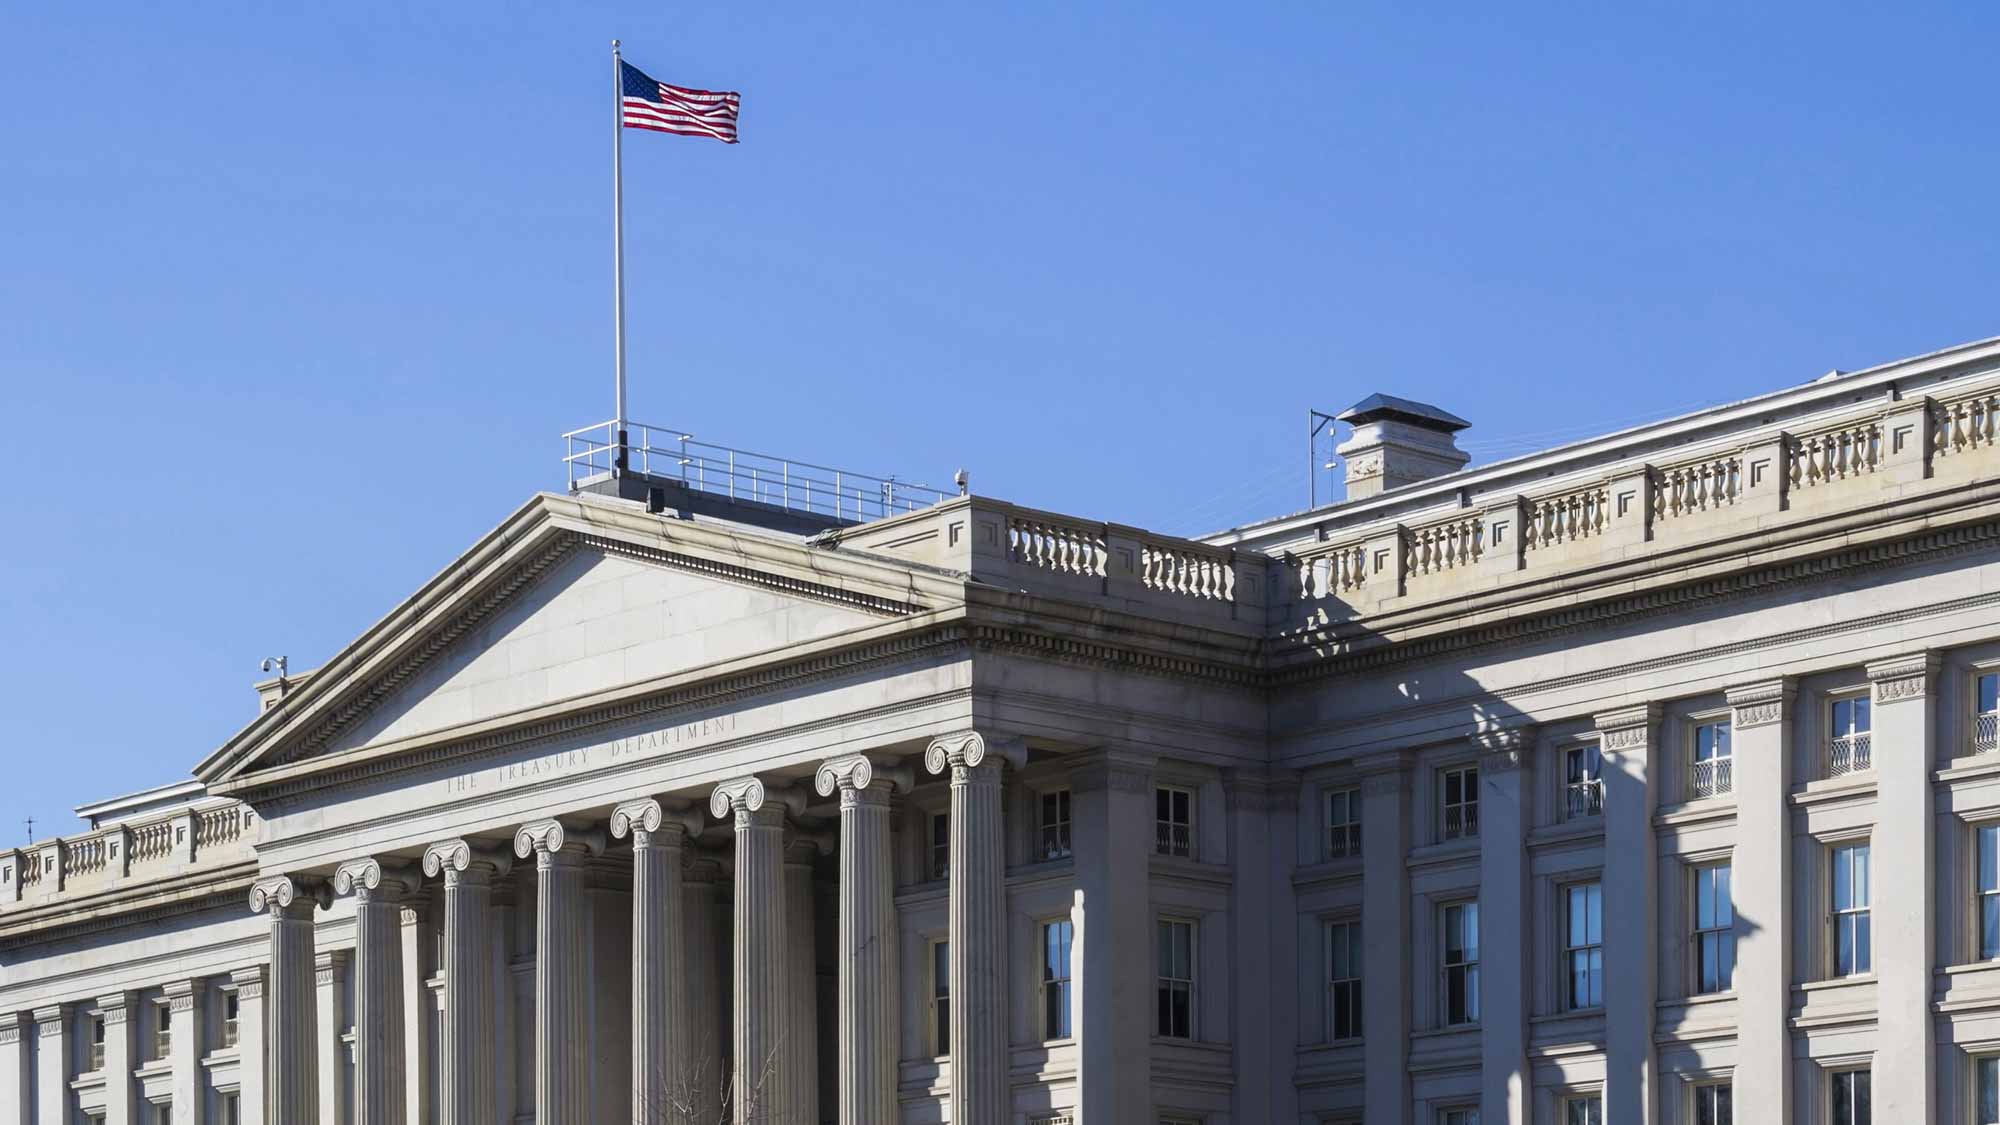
[[223, 889]]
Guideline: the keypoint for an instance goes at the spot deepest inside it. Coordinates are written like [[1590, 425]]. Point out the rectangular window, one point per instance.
[[1343, 823], [1713, 760], [1055, 979], [1173, 821], [163, 1029], [1583, 945], [232, 1110], [1987, 1078], [1988, 844], [1986, 713], [1466, 1116], [229, 1011], [1851, 1098], [1176, 983], [1460, 788], [1055, 825], [1847, 749], [1461, 963], [1714, 930], [1583, 785], [1587, 1110], [1343, 981], [1853, 951], [96, 1043], [941, 998], [940, 850], [1713, 1105]]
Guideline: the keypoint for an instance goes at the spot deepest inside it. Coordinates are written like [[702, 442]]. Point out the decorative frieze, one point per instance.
[[1627, 729], [1903, 677], [1756, 705]]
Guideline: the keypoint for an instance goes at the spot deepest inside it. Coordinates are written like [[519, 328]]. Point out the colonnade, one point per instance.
[[773, 1034]]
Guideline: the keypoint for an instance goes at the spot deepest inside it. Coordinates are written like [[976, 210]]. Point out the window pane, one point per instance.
[[1989, 1088], [1843, 878], [1989, 858], [1989, 926], [1989, 695]]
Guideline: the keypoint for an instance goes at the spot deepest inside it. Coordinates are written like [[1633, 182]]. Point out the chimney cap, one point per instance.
[[1381, 407]]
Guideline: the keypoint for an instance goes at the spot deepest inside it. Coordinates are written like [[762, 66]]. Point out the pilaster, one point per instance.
[[330, 975], [1385, 937], [380, 989], [562, 1047], [979, 1054], [1503, 896], [1760, 737], [1904, 851], [663, 1075], [414, 915], [1631, 908], [17, 1080], [1111, 795], [184, 1004], [1263, 850], [869, 1035], [759, 1078], [52, 1054], [291, 1047], [253, 1090], [469, 1085], [119, 1100]]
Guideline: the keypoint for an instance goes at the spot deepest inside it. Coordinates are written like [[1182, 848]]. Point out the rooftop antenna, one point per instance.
[[31, 830], [1320, 421]]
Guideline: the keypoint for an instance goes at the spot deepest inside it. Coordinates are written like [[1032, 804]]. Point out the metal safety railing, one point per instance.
[[1713, 777], [794, 486]]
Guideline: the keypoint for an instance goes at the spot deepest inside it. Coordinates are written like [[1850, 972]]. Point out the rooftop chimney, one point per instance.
[[1398, 442]]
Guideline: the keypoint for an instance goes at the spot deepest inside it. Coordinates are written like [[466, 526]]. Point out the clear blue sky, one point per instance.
[[294, 304]]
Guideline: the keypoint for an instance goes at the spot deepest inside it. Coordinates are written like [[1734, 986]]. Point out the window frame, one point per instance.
[[1173, 838], [1571, 948], [1985, 1065], [1855, 921], [937, 853], [1711, 1088], [1467, 967], [1722, 930], [1587, 1101], [1857, 753], [1583, 780], [1458, 1115], [1466, 774], [1985, 900], [1983, 731], [1053, 836], [1341, 838], [1063, 984], [938, 996], [1722, 749], [1343, 993], [1166, 986], [1861, 1080]]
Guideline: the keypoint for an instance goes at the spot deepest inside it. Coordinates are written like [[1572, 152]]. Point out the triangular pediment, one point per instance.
[[570, 599]]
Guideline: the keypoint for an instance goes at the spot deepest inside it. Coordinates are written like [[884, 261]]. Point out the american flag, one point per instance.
[[652, 104]]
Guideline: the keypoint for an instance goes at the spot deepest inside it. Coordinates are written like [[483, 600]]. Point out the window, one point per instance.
[[1988, 843], [1585, 1110], [160, 1113], [1055, 979], [1343, 823], [1714, 930], [1055, 825], [230, 1008], [1461, 963], [1712, 760], [1847, 745], [1986, 713], [1583, 772], [1466, 1116], [96, 1042], [1461, 802], [1173, 821], [1583, 945], [1987, 1078], [1712, 1104], [1343, 981], [941, 998], [163, 1029], [232, 1110], [940, 845], [1852, 947], [1176, 982], [1851, 1097]]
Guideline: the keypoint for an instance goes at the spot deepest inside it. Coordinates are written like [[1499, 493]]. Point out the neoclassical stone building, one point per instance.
[[695, 794]]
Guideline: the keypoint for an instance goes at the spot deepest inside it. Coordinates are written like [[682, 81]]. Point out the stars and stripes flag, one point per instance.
[[651, 104]]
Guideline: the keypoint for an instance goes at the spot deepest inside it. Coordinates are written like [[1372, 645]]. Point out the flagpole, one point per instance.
[[620, 461]]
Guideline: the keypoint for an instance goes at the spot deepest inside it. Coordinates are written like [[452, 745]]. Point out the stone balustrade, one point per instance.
[[128, 854]]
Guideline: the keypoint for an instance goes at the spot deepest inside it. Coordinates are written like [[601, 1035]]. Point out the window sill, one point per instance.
[[1697, 999], [1846, 787]]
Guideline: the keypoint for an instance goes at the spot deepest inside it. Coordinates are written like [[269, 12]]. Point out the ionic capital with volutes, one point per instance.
[[855, 774], [369, 881], [461, 859], [290, 896], [548, 840], [646, 819], [964, 751]]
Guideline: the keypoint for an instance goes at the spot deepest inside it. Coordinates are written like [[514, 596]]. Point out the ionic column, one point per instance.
[[469, 1092], [1113, 835], [118, 1100], [707, 1050], [1503, 893], [330, 974], [251, 1090], [562, 1003], [663, 1040], [184, 1024], [291, 1042], [1904, 870], [759, 1083], [979, 1047], [380, 1093], [1760, 875], [1385, 937], [869, 1038], [1631, 911], [52, 1050]]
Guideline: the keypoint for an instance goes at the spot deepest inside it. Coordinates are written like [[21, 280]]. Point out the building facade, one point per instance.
[[1649, 779]]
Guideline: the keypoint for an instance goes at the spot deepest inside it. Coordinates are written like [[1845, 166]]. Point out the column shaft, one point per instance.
[[979, 1047], [661, 1078], [759, 1085], [331, 975], [801, 989], [1385, 940], [184, 1003], [291, 1049], [52, 1048], [469, 1054], [1503, 954], [1630, 913], [1761, 878], [705, 1053], [381, 992], [1904, 855], [1112, 833], [870, 1038], [562, 1048]]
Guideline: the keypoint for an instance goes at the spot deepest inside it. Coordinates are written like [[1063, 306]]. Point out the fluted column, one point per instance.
[[1503, 898], [330, 974], [758, 1087], [869, 1038], [562, 1048], [664, 1085], [184, 1024], [291, 1025], [52, 1050], [707, 1048], [1905, 849], [979, 1055], [1631, 912], [469, 1092], [380, 1096]]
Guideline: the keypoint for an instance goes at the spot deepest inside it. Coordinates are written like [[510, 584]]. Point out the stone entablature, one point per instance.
[[206, 834]]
